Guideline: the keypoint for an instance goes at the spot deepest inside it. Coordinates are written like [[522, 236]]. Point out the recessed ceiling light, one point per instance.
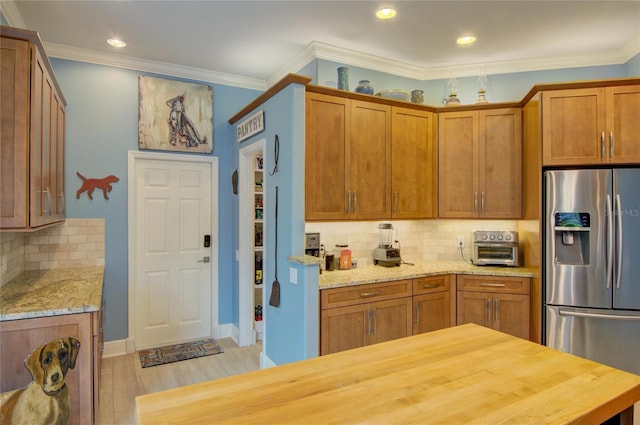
[[116, 42], [386, 13], [466, 39]]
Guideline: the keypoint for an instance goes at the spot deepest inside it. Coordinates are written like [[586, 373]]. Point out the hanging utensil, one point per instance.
[[276, 155], [274, 300]]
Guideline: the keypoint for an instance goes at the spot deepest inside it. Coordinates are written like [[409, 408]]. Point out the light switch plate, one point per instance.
[[293, 275]]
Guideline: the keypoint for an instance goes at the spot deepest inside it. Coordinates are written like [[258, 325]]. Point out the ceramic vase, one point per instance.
[[364, 87], [417, 96], [343, 78]]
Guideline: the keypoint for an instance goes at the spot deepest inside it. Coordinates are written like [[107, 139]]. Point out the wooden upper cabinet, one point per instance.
[[623, 123], [413, 158], [14, 133], [369, 161], [480, 164], [326, 173], [458, 165], [591, 126], [347, 159], [33, 132], [500, 163]]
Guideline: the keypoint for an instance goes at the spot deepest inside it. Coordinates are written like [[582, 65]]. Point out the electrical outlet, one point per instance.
[[293, 275], [460, 242]]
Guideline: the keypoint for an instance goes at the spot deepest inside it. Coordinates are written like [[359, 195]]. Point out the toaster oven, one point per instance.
[[495, 248]]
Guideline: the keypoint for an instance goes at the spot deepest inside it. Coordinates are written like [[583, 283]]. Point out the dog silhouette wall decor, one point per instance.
[[175, 116], [45, 400], [89, 185]]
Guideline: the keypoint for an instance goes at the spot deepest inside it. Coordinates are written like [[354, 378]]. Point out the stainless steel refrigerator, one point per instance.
[[592, 264]]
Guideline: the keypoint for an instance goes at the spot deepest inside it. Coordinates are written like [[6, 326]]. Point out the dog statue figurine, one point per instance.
[[44, 401], [88, 185]]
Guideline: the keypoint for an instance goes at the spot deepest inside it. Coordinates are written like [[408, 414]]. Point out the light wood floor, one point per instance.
[[123, 379]]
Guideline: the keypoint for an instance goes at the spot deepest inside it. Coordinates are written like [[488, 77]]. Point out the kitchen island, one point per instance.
[[462, 375]]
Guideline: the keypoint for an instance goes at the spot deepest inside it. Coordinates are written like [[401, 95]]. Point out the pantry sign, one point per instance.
[[252, 125]]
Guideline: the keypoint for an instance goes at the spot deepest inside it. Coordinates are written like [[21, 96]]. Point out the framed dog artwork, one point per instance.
[[174, 115]]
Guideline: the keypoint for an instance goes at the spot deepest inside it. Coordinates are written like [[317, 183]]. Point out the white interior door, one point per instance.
[[173, 267]]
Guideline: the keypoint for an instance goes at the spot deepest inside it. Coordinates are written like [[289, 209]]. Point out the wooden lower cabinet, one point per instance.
[[19, 338], [432, 303], [361, 315], [501, 303]]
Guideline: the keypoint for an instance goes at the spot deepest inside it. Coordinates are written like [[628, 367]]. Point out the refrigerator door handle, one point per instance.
[[609, 241], [598, 315], [618, 240]]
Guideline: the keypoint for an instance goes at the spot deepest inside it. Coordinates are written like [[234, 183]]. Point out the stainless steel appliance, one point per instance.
[[385, 254], [312, 244], [591, 263], [495, 248]]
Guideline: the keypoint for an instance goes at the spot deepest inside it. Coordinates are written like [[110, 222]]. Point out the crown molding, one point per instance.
[[157, 67], [376, 63], [12, 14], [295, 65]]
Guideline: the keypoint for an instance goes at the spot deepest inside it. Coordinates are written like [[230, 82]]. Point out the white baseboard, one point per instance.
[[115, 348], [265, 361], [124, 346]]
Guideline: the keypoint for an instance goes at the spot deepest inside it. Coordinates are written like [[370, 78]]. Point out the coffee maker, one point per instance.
[[312, 244], [385, 254]]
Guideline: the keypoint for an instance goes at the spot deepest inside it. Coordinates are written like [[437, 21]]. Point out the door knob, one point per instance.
[[205, 260]]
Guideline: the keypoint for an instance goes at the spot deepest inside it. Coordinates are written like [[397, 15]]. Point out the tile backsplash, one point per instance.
[[75, 243], [419, 240]]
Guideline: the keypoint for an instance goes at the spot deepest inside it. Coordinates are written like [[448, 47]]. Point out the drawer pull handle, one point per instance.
[[431, 285], [369, 294], [494, 285]]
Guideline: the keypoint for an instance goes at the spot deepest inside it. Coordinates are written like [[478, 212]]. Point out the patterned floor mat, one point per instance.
[[178, 352]]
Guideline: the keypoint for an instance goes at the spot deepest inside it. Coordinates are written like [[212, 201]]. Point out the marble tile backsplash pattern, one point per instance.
[[74, 243], [420, 240]]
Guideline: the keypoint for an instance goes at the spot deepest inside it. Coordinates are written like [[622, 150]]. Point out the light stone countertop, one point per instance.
[[372, 274], [42, 293]]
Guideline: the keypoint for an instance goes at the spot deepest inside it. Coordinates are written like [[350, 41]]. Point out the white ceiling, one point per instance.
[[255, 43]]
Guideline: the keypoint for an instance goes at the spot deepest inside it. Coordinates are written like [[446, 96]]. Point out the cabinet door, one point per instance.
[[623, 124], [41, 196], [474, 307], [500, 163], [369, 160], [326, 160], [18, 338], [57, 158], [344, 328], [458, 169], [413, 156], [431, 312], [511, 314], [390, 320], [573, 127], [14, 107]]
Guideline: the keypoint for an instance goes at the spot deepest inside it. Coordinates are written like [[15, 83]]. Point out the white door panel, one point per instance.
[[173, 282]]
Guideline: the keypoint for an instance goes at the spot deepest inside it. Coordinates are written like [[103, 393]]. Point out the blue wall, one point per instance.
[[102, 126], [287, 332], [500, 88]]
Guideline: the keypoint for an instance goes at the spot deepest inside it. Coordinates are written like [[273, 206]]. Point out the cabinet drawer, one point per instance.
[[352, 295], [429, 284], [511, 285]]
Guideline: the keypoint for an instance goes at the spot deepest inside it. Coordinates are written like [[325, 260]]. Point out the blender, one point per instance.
[[385, 254]]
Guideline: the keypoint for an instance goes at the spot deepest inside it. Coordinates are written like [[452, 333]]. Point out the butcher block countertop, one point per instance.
[[462, 375], [372, 274], [42, 293]]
